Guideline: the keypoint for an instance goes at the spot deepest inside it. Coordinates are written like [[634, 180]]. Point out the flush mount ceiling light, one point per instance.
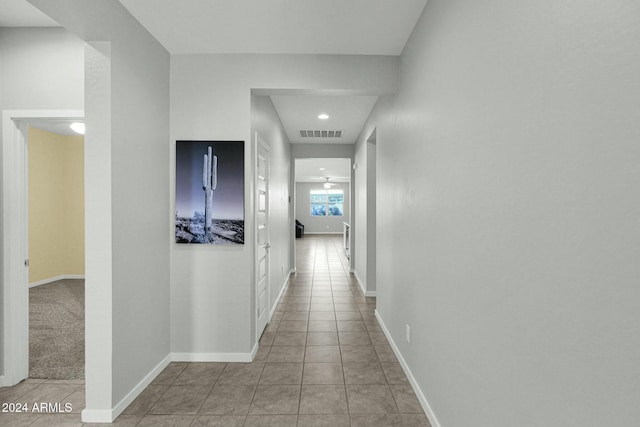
[[323, 116], [77, 128]]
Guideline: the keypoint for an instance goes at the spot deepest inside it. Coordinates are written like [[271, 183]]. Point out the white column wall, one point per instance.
[[98, 232], [140, 194], [360, 212], [139, 200]]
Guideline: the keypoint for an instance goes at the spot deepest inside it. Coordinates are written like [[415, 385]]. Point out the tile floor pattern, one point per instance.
[[323, 361]]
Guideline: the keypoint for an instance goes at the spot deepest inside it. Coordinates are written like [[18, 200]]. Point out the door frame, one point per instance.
[[15, 277], [260, 142]]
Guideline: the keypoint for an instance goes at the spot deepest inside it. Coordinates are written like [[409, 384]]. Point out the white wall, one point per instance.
[[371, 215], [511, 156], [40, 69], [140, 189], [365, 202], [331, 151], [360, 212], [98, 232], [127, 115], [210, 99], [265, 121], [315, 224]]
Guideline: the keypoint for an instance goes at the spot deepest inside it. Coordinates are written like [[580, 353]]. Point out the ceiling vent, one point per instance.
[[321, 133]]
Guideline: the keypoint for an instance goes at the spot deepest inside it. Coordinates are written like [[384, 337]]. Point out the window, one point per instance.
[[326, 202]]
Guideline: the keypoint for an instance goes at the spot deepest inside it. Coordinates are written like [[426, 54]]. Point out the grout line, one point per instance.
[[253, 396]]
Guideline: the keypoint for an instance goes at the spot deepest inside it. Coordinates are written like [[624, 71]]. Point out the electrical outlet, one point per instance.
[[408, 333]]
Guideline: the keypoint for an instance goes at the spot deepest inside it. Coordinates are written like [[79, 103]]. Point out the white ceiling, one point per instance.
[[337, 170], [362, 27], [346, 113], [19, 13], [59, 126], [350, 27]]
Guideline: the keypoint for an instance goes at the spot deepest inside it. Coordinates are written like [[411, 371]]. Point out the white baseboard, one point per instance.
[[412, 380], [365, 292], [323, 232], [212, 357], [282, 288], [108, 416], [55, 279], [97, 416], [362, 288], [254, 351]]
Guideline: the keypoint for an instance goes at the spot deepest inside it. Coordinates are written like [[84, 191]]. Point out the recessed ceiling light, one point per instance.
[[322, 169], [77, 128], [323, 116]]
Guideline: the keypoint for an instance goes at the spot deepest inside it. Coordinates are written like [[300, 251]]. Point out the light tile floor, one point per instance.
[[323, 361]]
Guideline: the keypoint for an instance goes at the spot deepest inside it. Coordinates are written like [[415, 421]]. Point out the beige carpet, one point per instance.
[[56, 330]]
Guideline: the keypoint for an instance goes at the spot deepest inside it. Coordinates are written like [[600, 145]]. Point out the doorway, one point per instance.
[[323, 199], [371, 215], [15, 237], [55, 194], [262, 236]]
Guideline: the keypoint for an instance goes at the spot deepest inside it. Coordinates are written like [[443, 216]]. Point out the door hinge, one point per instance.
[[26, 262]]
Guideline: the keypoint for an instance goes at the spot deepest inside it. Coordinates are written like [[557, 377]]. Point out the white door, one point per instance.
[[262, 251]]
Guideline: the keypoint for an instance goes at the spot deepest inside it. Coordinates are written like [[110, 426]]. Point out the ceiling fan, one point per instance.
[[327, 184]]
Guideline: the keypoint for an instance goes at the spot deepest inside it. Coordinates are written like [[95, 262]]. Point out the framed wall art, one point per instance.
[[209, 192]]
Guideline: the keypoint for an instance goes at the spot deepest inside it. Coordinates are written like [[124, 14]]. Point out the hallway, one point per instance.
[[323, 361], [491, 154]]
